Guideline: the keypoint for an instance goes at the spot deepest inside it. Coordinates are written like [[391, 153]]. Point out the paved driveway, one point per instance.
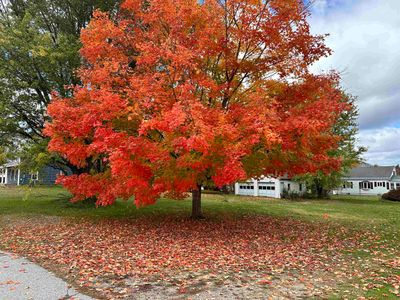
[[21, 279]]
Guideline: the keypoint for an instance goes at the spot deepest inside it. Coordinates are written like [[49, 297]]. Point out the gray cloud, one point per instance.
[[366, 41], [365, 38], [383, 145]]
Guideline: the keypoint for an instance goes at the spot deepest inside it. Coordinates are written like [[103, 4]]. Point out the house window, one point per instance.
[[392, 186], [366, 185], [300, 187], [398, 185], [34, 176], [246, 187], [288, 187], [387, 185]]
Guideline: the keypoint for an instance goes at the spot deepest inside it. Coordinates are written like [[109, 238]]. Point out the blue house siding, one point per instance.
[[48, 176], [11, 174], [24, 178]]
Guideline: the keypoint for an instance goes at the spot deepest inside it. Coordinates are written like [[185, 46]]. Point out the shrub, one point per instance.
[[292, 195], [393, 195]]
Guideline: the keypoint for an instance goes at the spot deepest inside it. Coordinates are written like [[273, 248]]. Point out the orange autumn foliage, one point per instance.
[[178, 94]]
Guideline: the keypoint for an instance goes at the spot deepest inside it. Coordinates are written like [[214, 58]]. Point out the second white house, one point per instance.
[[268, 187]]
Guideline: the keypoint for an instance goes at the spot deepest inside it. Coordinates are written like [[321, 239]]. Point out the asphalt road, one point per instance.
[[21, 279]]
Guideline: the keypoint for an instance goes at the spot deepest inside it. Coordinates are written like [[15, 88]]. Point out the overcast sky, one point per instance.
[[365, 38]]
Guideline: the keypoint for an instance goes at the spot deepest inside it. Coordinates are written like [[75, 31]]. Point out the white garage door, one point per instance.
[[266, 189], [246, 189]]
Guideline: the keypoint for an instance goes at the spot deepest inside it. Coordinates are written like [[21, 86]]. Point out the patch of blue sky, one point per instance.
[[325, 7]]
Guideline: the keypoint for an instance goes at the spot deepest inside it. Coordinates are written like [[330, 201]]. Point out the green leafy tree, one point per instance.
[[39, 53], [345, 127]]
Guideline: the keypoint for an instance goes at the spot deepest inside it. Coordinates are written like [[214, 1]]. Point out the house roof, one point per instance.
[[396, 178], [371, 172]]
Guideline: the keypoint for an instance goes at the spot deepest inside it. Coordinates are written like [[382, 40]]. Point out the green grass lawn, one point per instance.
[[362, 212], [359, 211], [355, 212]]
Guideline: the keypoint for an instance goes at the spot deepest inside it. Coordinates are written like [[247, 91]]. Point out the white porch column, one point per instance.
[[18, 176], [19, 170], [6, 178], [255, 182]]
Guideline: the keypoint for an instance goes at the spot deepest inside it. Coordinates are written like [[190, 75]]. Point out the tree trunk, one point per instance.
[[196, 203], [319, 192]]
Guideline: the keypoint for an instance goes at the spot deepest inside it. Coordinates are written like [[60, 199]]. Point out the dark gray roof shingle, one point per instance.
[[371, 172]]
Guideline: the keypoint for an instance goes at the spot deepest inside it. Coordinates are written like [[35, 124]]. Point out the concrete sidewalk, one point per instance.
[[21, 279]]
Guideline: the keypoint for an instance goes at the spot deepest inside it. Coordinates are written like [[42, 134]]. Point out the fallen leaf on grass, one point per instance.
[[264, 282], [102, 254]]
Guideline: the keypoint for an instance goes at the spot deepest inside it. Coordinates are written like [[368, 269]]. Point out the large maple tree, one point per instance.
[[177, 94]]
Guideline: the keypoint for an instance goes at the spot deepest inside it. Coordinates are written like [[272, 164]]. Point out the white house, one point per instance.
[[10, 173], [268, 187], [370, 180], [362, 180]]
